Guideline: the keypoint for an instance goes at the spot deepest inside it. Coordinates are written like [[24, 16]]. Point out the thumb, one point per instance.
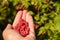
[[9, 26], [5, 30]]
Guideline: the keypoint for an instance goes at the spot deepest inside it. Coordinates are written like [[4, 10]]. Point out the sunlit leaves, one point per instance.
[[47, 15], [37, 17], [41, 30], [57, 22]]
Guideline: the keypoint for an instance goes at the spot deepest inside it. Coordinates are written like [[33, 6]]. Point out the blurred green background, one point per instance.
[[45, 13]]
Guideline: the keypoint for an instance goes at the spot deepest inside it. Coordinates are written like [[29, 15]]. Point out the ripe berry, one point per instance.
[[35, 26], [20, 7], [22, 27], [36, 7]]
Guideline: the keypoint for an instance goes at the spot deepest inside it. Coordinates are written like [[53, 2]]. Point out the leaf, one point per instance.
[[9, 20], [57, 19], [37, 17], [43, 18], [57, 8], [25, 3], [57, 22], [31, 13], [43, 10], [10, 0], [15, 2], [47, 26], [41, 30], [2, 18], [44, 6]]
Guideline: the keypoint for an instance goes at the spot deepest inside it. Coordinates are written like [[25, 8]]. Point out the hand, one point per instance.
[[10, 34]]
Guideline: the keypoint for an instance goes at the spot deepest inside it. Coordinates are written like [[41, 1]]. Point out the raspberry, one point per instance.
[[20, 7], [35, 26], [36, 7], [22, 27]]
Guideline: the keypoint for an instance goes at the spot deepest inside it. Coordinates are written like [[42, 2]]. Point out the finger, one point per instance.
[[24, 14], [29, 19], [9, 33], [9, 26], [17, 18]]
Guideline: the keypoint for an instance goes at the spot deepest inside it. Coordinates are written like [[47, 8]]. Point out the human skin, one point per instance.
[[11, 34]]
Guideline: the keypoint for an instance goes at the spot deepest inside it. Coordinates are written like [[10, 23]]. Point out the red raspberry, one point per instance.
[[36, 7], [22, 27], [20, 7], [35, 26]]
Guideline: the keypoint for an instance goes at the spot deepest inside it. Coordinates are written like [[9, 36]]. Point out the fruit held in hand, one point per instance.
[[22, 27]]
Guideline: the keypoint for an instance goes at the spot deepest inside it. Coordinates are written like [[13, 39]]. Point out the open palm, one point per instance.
[[14, 35]]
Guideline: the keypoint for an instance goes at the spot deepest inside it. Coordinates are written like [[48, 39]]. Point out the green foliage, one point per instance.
[[46, 15]]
